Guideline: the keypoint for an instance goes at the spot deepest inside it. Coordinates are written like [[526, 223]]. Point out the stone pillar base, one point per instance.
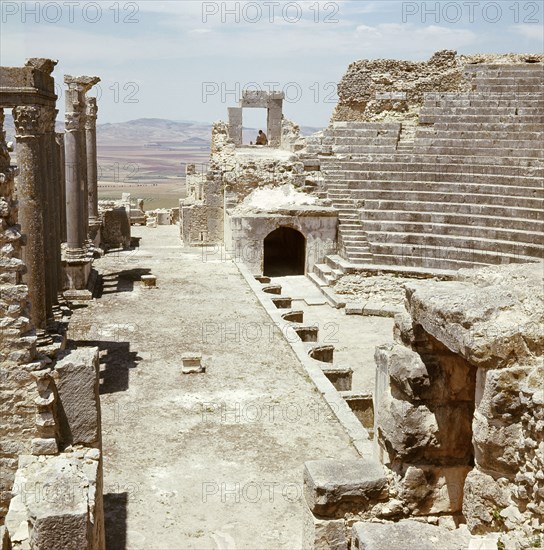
[[76, 278]]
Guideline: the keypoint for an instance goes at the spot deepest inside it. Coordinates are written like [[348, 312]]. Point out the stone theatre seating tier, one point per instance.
[[467, 192]]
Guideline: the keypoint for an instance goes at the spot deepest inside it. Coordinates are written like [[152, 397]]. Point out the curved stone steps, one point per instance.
[[454, 195], [454, 207], [379, 240], [442, 257], [360, 189], [453, 218], [374, 230]]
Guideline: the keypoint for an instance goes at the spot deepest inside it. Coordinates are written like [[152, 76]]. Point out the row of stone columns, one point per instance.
[[57, 192], [80, 164]]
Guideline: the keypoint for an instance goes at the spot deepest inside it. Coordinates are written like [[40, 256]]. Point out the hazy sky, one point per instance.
[[185, 60]]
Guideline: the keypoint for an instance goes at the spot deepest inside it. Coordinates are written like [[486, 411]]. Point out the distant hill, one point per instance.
[[152, 132]]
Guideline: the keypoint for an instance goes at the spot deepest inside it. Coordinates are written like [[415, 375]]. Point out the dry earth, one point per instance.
[[199, 461]]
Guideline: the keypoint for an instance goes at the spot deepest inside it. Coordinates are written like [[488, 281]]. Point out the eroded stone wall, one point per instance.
[[487, 329], [17, 342], [392, 90]]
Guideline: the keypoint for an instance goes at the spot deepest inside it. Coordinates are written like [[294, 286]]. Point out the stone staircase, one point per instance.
[[351, 237], [469, 192]]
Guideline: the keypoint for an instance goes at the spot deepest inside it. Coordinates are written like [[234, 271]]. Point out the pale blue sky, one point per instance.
[[158, 58]]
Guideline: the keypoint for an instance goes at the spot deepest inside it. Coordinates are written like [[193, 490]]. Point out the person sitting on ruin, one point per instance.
[[261, 139]]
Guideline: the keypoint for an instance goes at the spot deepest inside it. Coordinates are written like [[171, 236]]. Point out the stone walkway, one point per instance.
[[209, 460]]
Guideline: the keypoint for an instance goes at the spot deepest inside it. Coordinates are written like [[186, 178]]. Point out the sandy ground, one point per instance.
[[208, 460]]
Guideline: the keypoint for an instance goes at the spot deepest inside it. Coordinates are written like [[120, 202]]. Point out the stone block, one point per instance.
[[78, 407], [482, 495], [354, 308], [406, 535], [61, 498], [149, 281], [339, 376], [323, 534], [434, 490], [424, 433], [192, 363], [333, 485], [116, 228], [44, 446]]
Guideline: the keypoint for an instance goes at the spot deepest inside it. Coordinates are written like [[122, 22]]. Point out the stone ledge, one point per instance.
[[330, 483], [407, 535]]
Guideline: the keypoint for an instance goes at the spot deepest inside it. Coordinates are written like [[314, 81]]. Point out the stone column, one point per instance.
[[62, 185], [75, 236], [92, 175], [29, 126], [51, 218], [77, 261]]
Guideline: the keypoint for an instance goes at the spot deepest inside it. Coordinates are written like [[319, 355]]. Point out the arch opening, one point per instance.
[[284, 253]]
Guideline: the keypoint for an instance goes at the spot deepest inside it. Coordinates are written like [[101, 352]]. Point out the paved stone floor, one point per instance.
[[201, 461]]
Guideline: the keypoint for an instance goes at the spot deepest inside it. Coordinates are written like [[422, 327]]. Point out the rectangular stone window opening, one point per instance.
[[253, 120]]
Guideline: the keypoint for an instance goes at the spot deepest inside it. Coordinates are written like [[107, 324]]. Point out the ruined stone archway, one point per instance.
[[284, 252]]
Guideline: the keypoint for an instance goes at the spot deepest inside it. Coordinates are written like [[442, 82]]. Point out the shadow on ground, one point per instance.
[[121, 281], [115, 520]]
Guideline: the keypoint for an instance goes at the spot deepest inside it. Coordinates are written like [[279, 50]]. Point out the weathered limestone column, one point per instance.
[[52, 267], [57, 205], [75, 236], [59, 137], [92, 172], [29, 126]]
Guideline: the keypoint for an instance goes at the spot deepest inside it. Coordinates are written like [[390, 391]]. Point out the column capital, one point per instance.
[[30, 120], [72, 121], [82, 83]]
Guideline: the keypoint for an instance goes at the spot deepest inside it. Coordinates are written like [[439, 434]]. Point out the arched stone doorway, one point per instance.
[[284, 253]]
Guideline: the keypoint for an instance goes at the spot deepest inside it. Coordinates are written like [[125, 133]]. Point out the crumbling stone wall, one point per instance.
[[487, 326], [17, 342], [242, 173], [234, 173], [390, 90]]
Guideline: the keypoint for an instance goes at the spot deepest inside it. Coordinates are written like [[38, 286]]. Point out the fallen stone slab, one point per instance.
[[77, 380], [149, 281]]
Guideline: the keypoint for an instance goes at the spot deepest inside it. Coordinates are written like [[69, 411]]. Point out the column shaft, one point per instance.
[[75, 237], [29, 131]]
